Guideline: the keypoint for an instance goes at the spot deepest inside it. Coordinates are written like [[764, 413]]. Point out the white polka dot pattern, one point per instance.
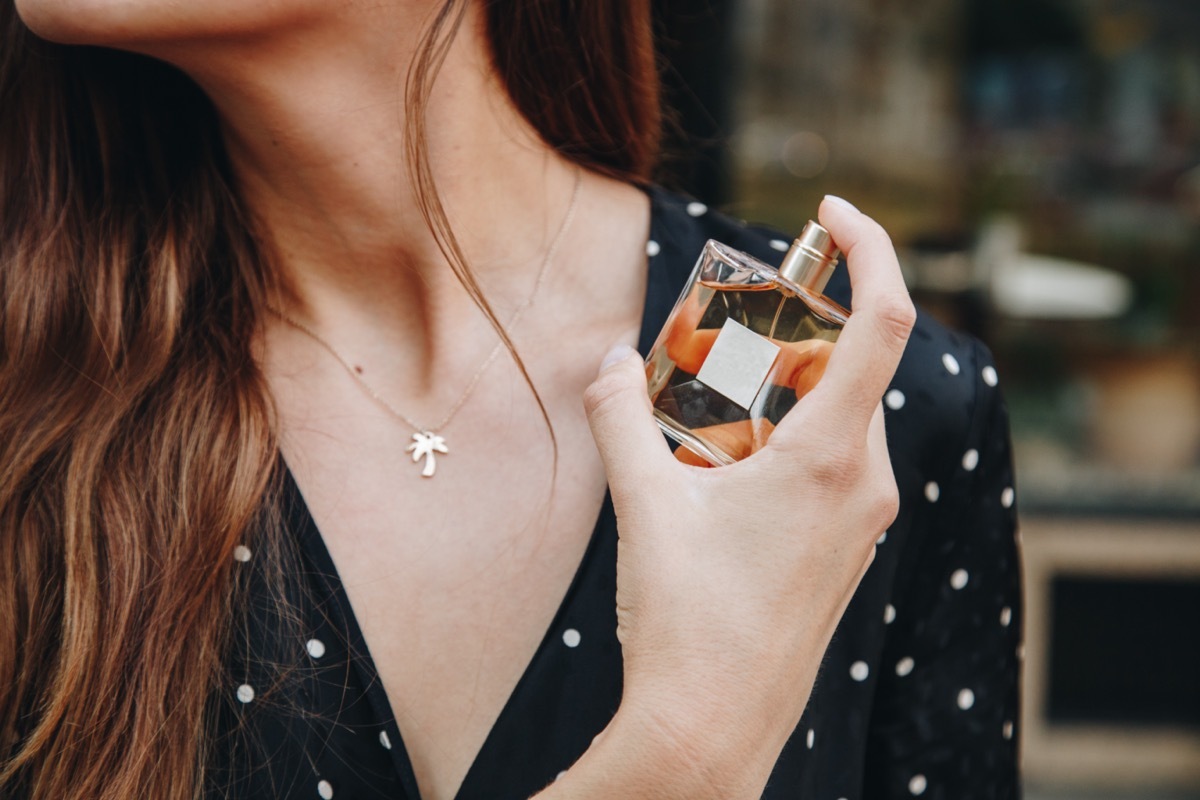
[[959, 578], [245, 693], [952, 461], [325, 790], [241, 553]]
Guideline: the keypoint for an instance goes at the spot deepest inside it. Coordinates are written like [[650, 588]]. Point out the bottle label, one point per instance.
[[738, 364]]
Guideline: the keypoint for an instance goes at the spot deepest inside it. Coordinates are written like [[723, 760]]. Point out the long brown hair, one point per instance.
[[137, 444]]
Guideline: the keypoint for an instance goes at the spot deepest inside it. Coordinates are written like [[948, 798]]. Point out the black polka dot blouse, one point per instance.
[[918, 693]]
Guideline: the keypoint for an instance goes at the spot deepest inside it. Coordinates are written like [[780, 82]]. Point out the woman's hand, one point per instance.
[[730, 581]]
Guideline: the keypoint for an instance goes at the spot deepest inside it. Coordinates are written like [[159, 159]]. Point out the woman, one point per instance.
[[281, 515]]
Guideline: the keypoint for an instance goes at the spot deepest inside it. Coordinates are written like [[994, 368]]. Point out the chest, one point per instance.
[[455, 578]]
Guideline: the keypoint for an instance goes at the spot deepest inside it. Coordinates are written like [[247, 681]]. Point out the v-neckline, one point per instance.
[[304, 527]]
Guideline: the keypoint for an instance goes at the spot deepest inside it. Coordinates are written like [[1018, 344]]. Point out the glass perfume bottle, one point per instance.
[[743, 344]]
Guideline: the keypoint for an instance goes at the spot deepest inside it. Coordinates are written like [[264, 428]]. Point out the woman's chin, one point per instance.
[[138, 24], [84, 21]]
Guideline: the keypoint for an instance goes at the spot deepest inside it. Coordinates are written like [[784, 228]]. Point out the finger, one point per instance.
[[619, 414], [870, 346]]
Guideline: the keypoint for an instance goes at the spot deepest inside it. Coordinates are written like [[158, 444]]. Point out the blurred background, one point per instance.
[[1037, 163]]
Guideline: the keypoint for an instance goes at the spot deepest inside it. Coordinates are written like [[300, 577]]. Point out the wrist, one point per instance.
[[706, 753], [648, 754]]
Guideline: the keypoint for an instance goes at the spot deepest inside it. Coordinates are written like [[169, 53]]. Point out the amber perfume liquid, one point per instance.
[[741, 347]]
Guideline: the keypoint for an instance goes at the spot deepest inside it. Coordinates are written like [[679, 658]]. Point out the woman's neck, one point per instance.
[[315, 124]]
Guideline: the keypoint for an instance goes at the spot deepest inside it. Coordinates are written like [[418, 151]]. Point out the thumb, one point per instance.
[[619, 414]]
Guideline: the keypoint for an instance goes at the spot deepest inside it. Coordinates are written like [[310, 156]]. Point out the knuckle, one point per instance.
[[603, 393], [896, 315], [884, 505], [839, 471]]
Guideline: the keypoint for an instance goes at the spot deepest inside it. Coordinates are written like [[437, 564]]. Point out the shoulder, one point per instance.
[[944, 387]]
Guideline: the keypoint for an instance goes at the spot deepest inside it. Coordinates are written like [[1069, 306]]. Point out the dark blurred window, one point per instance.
[[1125, 652]]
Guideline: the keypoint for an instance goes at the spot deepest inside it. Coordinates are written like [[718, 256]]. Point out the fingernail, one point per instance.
[[618, 353], [833, 198]]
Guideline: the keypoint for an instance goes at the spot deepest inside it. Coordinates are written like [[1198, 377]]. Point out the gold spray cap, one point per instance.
[[811, 260]]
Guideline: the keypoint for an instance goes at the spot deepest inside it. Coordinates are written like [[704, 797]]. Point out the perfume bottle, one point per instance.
[[743, 344]]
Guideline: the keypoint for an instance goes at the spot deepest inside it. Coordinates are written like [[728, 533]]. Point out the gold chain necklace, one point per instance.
[[427, 441]]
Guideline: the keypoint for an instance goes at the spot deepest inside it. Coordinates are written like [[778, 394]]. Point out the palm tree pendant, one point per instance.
[[424, 445]]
